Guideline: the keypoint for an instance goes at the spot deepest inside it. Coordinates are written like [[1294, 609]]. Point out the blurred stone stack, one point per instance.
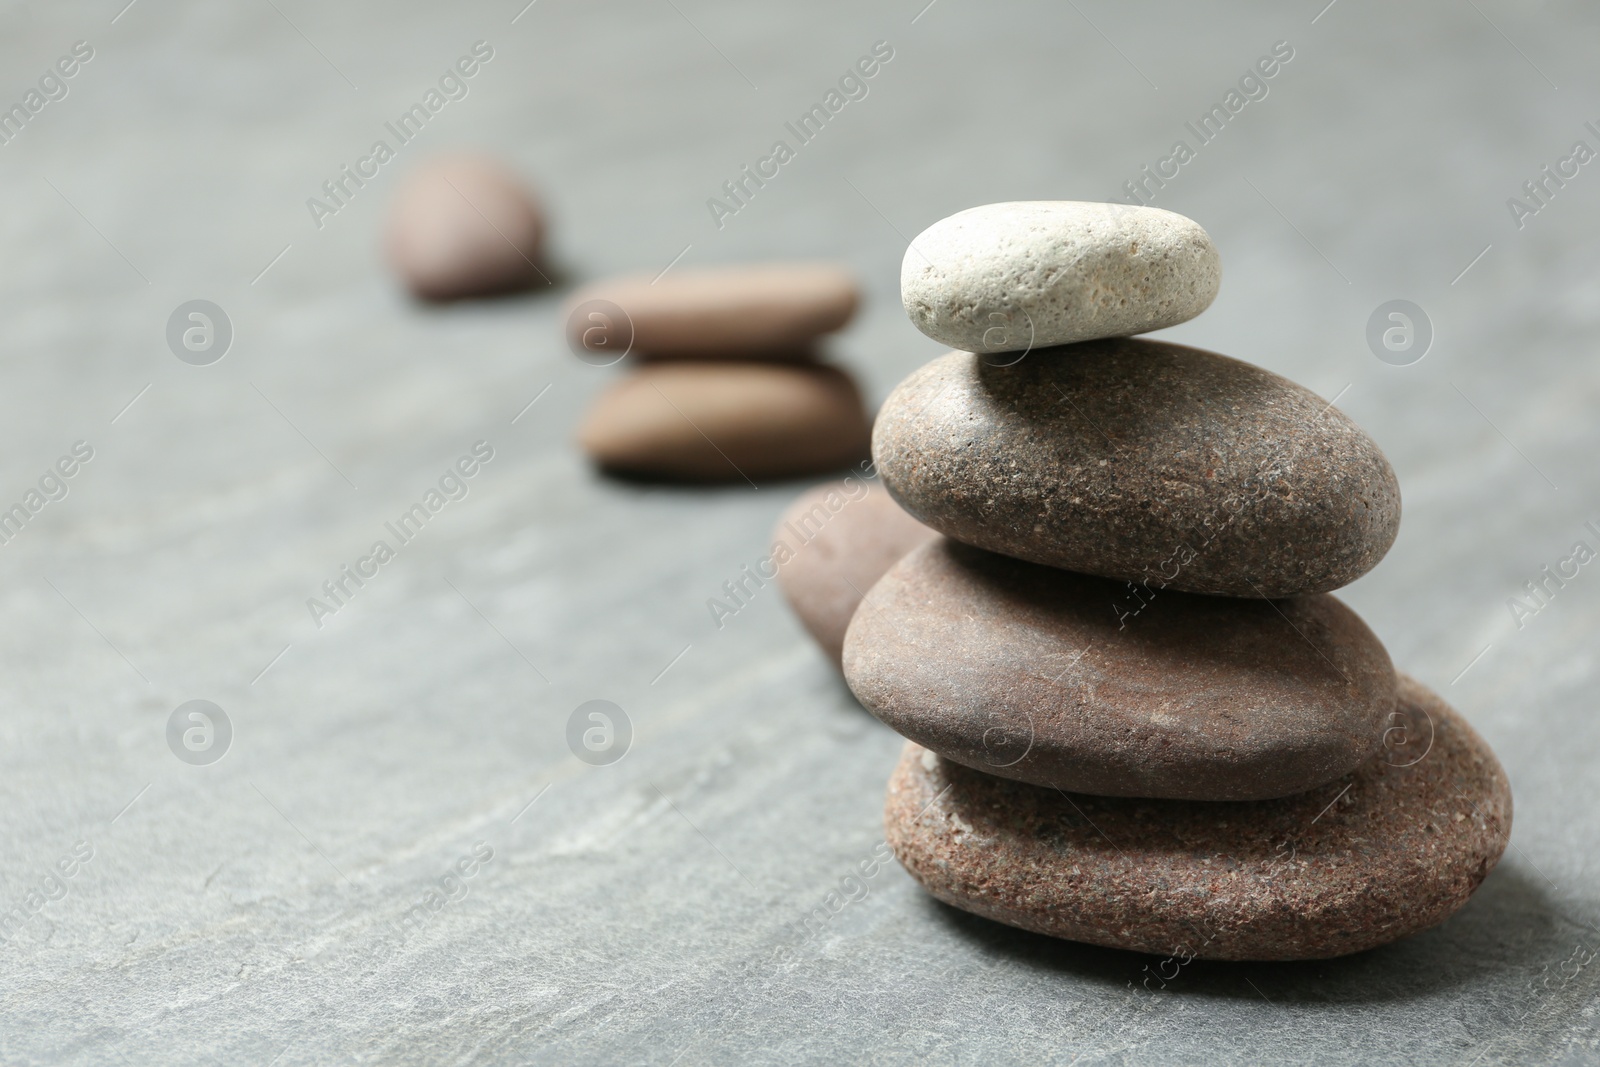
[[727, 385], [1136, 717]]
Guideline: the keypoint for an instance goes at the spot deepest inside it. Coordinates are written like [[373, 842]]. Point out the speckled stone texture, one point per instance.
[[727, 422], [759, 310], [844, 536], [1390, 850], [1142, 461], [1009, 277], [1060, 679]]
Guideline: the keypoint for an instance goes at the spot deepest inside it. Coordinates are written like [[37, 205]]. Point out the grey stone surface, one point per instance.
[[241, 911]]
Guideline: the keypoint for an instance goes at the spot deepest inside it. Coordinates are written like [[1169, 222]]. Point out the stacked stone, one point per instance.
[[1136, 717], [726, 385]]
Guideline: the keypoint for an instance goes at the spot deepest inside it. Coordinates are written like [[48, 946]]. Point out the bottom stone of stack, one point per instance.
[[727, 422], [1392, 848]]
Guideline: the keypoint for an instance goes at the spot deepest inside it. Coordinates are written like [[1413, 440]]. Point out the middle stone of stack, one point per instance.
[[1026, 672]]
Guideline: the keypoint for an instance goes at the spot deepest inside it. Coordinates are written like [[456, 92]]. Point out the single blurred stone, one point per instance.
[[761, 311], [727, 422], [465, 226], [843, 536]]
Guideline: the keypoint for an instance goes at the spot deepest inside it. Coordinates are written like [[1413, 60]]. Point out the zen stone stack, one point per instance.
[[1136, 716]]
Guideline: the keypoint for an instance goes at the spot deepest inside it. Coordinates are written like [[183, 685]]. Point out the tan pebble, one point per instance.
[[843, 537], [771, 311], [465, 226], [727, 422]]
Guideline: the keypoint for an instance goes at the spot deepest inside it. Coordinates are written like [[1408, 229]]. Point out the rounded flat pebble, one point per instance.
[[1143, 461], [760, 311], [843, 536], [1064, 680], [727, 422], [465, 226], [1033, 273], [1387, 851]]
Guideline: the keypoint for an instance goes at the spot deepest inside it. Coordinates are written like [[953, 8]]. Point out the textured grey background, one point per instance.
[[243, 912]]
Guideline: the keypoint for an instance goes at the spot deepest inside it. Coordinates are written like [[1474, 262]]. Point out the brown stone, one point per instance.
[[727, 422], [1389, 850], [465, 226], [759, 311], [1095, 686], [844, 536], [1141, 461]]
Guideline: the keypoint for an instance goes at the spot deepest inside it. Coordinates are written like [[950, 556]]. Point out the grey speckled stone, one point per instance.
[[1014, 276], [1394, 848], [1142, 461], [1063, 680]]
